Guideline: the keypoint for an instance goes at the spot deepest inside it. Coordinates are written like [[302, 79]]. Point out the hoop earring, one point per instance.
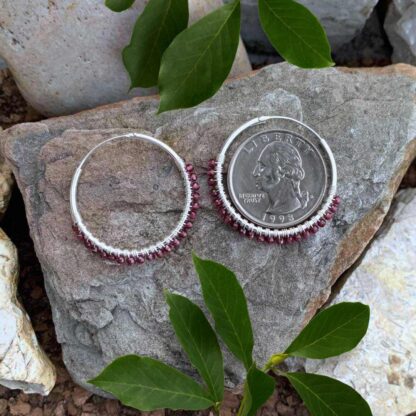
[[159, 249], [253, 201]]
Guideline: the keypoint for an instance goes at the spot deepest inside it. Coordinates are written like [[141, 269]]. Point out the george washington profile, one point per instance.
[[279, 173]]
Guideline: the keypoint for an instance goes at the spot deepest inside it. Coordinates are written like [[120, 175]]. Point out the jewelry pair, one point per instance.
[[271, 161]]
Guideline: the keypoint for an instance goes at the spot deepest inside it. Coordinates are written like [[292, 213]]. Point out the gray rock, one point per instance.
[[2, 64], [400, 26], [383, 366], [342, 20], [128, 195], [66, 56]]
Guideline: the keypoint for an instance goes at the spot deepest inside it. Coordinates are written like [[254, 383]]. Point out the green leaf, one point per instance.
[[257, 389], [199, 341], [295, 33], [119, 5], [200, 58], [225, 300], [147, 384], [333, 331], [324, 396], [153, 32]]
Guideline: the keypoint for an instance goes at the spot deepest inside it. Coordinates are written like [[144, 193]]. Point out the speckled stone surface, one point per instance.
[[102, 310], [383, 366], [400, 26], [66, 55]]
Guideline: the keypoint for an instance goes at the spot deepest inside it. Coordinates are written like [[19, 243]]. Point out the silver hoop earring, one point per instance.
[[160, 248], [281, 180]]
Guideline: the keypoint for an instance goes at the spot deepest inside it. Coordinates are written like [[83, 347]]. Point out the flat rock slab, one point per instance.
[[130, 194], [383, 366]]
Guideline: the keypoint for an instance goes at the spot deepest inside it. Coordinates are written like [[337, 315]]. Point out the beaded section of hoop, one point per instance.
[[159, 249], [253, 231]]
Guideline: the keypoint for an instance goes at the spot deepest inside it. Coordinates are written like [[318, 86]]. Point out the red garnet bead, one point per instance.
[[314, 229], [242, 231], [328, 215], [196, 196], [321, 223], [228, 219], [305, 234], [195, 206], [212, 181], [188, 225], [193, 177], [189, 167], [150, 257], [212, 163], [195, 186], [280, 241], [297, 237], [192, 215], [332, 209], [260, 238], [182, 234], [120, 259], [130, 261], [270, 240], [211, 172], [175, 243], [159, 253], [167, 249], [337, 200], [139, 259], [289, 239], [218, 202], [214, 192], [250, 235]]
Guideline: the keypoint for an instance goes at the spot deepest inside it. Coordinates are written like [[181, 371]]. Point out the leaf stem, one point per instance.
[[242, 404], [274, 361]]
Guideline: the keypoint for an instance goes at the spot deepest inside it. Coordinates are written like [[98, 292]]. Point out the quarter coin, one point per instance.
[[277, 178]]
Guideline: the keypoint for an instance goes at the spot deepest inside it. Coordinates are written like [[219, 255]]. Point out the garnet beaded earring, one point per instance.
[[281, 181], [159, 249]]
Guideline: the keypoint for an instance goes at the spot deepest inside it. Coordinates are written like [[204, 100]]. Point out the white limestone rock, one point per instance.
[[342, 19], [400, 27], [66, 56], [23, 364], [6, 184], [383, 366]]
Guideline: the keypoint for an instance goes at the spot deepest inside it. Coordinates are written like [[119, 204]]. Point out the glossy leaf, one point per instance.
[[333, 331], [154, 30], [258, 388], [225, 300], [200, 58], [295, 33], [324, 396], [199, 341], [119, 5], [147, 384]]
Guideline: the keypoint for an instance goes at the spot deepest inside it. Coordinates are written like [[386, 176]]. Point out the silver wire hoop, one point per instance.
[[158, 249], [248, 228]]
